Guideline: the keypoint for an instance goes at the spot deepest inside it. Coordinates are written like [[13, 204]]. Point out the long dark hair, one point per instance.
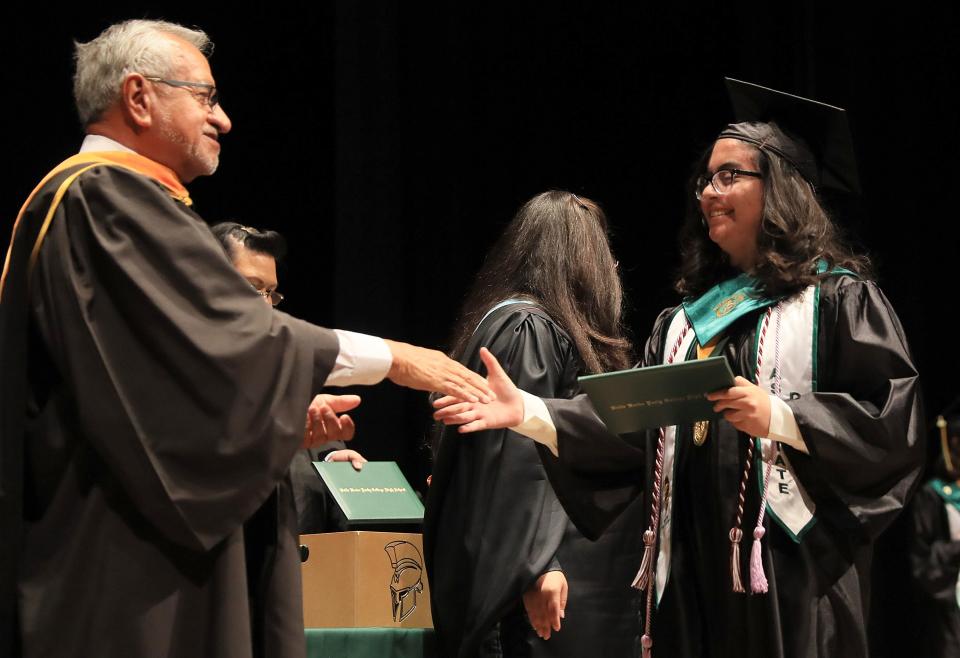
[[556, 253], [795, 232]]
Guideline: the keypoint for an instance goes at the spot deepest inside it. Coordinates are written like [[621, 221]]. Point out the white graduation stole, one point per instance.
[[787, 501], [795, 326]]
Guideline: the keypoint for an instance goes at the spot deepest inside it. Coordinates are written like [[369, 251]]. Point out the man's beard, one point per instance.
[[207, 163]]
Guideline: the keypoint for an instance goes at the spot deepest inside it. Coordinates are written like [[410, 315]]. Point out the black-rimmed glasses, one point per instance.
[[722, 180], [211, 97]]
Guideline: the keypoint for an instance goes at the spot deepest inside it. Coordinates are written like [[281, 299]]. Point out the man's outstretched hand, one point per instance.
[[430, 370], [505, 411]]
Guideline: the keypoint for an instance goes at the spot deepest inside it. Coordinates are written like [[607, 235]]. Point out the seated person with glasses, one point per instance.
[[255, 254]]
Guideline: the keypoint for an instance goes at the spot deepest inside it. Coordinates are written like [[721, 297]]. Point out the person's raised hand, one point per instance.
[[505, 411], [324, 425]]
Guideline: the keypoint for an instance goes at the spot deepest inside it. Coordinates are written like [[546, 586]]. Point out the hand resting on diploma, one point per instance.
[[505, 411], [355, 458]]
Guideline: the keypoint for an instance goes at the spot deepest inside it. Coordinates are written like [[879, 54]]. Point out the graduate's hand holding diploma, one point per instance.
[[504, 411], [545, 602], [744, 405]]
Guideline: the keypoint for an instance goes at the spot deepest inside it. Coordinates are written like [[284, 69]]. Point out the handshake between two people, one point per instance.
[[414, 367], [477, 404]]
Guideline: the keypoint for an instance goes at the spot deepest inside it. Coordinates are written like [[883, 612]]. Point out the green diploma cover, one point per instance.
[[657, 396], [377, 494]]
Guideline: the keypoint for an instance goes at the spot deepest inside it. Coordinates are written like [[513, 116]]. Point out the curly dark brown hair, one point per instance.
[[796, 232]]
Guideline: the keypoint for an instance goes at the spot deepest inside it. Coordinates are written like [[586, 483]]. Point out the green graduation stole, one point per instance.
[[792, 331], [948, 491]]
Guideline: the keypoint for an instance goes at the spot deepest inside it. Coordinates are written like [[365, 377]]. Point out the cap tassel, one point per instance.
[[643, 576], [736, 534], [758, 579], [647, 643]]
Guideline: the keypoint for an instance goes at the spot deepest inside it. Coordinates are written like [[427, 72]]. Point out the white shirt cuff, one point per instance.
[[362, 360], [537, 424], [783, 426]]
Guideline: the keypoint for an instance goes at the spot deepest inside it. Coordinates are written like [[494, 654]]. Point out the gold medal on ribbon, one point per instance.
[[701, 430]]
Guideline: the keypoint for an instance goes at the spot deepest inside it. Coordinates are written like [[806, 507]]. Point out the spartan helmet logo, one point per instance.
[[407, 578]]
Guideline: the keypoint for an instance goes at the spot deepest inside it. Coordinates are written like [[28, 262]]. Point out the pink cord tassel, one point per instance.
[[647, 643], [643, 576], [736, 534], [758, 579]]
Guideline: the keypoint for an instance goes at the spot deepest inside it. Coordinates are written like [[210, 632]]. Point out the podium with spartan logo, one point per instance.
[[364, 578]]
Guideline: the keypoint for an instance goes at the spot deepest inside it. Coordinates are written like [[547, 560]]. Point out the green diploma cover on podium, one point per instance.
[[657, 396], [378, 494]]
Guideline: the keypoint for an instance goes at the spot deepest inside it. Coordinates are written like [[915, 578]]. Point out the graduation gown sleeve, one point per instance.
[[864, 424]]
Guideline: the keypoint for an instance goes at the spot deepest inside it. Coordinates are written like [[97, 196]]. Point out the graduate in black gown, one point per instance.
[[500, 552], [762, 522], [934, 545]]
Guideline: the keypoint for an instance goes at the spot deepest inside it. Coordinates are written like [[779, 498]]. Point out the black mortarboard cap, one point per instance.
[[820, 145]]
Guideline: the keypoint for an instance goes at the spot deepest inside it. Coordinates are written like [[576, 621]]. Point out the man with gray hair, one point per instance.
[[150, 401]]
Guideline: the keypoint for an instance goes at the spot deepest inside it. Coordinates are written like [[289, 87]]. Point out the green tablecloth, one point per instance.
[[370, 643]]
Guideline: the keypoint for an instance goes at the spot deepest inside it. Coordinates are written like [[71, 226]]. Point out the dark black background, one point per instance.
[[391, 141]]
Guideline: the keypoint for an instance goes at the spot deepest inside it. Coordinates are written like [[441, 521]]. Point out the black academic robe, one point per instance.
[[934, 568], [493, 524], [164, 402], [864, 431]]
